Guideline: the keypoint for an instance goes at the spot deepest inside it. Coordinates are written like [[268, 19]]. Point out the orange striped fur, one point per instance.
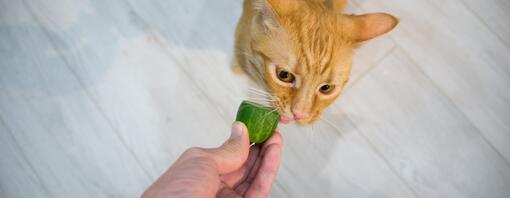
[[309, 39]]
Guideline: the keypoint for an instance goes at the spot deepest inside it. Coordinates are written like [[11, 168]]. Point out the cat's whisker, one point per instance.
[[312, 137], [257, 91], [275, 98], [328, 122], [315, 139], [262, 93], [264, 102], [259, 94], [266, 114], [253, 90], [261, 99], [261, 80]]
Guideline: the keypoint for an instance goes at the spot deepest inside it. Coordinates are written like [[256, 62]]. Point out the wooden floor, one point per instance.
[[98, 98]]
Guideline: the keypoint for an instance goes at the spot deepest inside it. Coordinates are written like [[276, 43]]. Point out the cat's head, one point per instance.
[[303, 51]]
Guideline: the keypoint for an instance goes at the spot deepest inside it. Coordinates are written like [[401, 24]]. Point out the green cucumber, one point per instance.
[[261, 121]]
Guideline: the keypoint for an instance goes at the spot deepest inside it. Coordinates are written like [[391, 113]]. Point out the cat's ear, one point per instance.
[[368, 26], [270, 11]]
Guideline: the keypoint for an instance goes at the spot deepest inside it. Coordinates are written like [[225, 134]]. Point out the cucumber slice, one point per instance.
[[261, 121]]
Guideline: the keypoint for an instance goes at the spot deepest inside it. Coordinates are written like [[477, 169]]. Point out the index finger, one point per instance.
[[266, 174], [275, 139]]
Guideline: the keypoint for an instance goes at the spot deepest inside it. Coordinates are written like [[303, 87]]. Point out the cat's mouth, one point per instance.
[[284, 120], [286, 115], [287, 118]]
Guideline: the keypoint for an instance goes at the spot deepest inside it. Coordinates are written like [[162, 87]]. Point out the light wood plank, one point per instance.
[[335, 161], [18, 176], [422, 134], [204, 56], [61, 132], [494, 13], [466, 60], [137, 85], [64, 136], [165, 113]]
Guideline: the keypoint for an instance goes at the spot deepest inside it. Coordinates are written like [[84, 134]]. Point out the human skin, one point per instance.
[[232, 170]]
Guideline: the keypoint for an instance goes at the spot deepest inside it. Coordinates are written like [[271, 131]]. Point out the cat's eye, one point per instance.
[[285, 76], [327, 88]]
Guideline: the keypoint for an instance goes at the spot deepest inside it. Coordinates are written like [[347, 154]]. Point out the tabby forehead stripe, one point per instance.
[[315, 46], [328, 63]]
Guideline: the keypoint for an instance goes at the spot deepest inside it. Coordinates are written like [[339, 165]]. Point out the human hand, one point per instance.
[[231, 170]]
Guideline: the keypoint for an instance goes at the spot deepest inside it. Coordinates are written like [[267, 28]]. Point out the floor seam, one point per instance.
[[25, 158], [89, 95], [505, 43], [178, 63], [418, 66], [386, 161], [372, 67], [447, 96]]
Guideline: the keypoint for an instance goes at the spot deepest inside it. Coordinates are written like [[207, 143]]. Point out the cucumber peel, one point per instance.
[[260, 120]]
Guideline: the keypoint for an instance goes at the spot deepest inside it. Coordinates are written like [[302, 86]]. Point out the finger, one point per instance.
[[227, 193], [243, 187], [261, 185], [233, 179], [255, 168], [276, 138], [193, 173], [233, 153]]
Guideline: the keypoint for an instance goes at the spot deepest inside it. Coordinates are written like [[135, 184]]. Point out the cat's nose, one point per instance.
[[299, 115]]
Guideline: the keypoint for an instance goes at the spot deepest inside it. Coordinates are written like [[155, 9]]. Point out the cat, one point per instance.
[[300, 51]]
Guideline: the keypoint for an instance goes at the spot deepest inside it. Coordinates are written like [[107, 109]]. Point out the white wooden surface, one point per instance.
[[97, 98]]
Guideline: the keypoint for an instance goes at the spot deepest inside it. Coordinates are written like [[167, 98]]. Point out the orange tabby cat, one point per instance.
[[301, 51]]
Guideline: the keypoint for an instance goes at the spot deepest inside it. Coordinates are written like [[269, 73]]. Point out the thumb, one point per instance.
[[230, 156]]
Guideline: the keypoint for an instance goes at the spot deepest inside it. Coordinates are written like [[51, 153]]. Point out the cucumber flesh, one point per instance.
[[260, 120]]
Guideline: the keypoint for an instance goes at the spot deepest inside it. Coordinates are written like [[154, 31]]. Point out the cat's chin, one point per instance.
[[302, 122], [306, 122], [299, 123], [284, 121]]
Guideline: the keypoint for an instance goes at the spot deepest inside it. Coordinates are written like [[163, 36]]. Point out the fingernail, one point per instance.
[[237, 130]]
